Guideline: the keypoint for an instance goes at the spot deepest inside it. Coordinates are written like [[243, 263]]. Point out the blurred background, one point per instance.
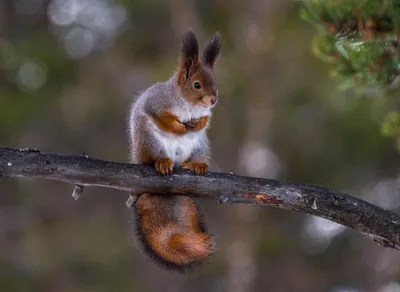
[[69, 70]]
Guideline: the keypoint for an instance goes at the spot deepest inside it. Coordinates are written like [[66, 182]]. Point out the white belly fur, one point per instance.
[[180, 147], [177, 147]]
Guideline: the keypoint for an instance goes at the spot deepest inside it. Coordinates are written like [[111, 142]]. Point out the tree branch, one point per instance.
[[381, 225]]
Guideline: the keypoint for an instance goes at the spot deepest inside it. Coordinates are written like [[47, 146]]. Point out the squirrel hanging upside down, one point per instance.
[[167, 128]]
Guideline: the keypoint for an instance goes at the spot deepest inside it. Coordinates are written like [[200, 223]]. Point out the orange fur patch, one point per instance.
[[183, 72], [169, 123], [164, 165], [191, 247], [170, 228], [145, 156], [197, 167], [188, 214], [198, 124]]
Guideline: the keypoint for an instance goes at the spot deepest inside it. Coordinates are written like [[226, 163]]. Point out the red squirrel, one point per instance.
[[167, 127]]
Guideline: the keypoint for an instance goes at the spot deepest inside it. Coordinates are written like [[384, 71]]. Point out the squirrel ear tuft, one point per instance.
[[189, 60], [211, 51], [190, 47]]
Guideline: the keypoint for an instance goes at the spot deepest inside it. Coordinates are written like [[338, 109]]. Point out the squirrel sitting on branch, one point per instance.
[[167, 127]]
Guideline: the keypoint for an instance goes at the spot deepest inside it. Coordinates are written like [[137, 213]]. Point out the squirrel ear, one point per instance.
[[211, 51], [190, 48], [190, 51]]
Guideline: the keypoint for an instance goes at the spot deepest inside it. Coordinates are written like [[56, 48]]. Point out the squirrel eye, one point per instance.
[[197, 85]]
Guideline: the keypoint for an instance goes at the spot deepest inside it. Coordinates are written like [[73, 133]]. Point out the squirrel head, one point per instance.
[[195, 78]]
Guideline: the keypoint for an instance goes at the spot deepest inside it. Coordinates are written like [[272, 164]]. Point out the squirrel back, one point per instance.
[[167, 128]]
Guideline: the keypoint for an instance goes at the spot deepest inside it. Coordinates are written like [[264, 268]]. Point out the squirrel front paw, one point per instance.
[[197, 124], [164, 165], [180, 128], [191, 124], [197, 167]]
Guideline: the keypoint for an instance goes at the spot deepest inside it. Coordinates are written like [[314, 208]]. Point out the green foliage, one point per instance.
[[391, 125], [358, 39]]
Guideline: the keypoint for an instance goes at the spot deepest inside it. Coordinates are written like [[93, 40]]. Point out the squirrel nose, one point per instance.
[[213, 99]]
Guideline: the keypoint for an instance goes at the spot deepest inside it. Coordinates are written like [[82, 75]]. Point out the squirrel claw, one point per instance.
[[198, 167], [192, 123], [164, 165]]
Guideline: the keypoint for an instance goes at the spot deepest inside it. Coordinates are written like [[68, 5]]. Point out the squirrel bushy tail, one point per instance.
[[167, 127], [171, 230]]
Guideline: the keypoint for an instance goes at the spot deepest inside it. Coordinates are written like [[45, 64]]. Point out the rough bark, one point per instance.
[[379, 224]]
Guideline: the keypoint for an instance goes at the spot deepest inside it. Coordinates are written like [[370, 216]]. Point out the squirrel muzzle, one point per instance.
[[210, 100]]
